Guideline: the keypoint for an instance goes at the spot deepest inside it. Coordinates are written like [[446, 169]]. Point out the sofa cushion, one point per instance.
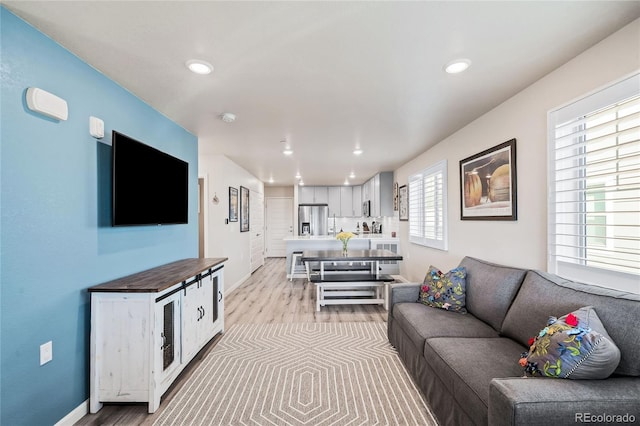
[[575, 346], [466, 367], [444, 291], [421, 322], [490, 289], [543, 295]]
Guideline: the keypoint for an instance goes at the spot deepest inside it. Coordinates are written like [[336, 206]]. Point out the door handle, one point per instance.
[[220, 294]]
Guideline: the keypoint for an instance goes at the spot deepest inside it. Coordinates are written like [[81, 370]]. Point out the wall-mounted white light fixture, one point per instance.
[[46, 103]]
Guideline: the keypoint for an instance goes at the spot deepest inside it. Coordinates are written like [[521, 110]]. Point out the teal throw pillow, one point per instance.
[[445, 291], [575, 346]]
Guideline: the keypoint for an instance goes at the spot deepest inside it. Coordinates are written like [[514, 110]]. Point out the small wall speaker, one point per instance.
[[46, 103]]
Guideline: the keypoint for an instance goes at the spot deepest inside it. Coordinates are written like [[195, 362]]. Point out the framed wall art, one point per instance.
[[403, 203], [488, 187], [244, 209], [233, 204]]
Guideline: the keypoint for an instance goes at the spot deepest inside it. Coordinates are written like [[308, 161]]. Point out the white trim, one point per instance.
[[75, 415], [237, 284], [205, 211]]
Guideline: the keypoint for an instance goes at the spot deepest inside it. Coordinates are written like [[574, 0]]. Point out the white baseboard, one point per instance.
[[237, 284], [74, 416]]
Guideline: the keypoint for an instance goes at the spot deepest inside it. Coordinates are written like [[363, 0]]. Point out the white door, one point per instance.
[[279, 225], [256, 228]]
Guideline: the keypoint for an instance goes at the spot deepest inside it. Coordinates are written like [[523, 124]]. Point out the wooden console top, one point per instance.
[[157, 279]]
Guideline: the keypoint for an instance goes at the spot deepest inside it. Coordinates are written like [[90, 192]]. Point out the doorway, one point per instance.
[[279, 225]]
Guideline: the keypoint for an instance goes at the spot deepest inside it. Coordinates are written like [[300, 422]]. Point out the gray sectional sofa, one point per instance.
[[467, 364]]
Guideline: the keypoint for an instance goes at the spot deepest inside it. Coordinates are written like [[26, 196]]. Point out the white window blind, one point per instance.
[[428, 207], [594, 188]]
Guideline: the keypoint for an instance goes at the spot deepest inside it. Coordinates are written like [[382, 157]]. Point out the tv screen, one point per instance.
[[150, 187]]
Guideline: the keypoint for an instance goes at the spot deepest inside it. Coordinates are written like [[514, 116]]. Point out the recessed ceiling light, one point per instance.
[[298, 176], [357, 151], [457, 66], [346, 181], [228, 117], [271, 180], [301, 183], [199, 67], [287, 151], [352, 175]]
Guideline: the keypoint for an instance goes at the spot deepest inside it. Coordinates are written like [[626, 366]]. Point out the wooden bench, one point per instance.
[[350, 289]]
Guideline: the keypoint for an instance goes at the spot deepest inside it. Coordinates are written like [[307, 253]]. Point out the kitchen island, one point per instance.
[[329, 242]]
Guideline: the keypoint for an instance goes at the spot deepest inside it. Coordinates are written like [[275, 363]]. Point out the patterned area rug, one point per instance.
[[315, 374]]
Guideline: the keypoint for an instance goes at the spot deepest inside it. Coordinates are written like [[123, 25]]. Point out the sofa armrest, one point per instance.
[[402, 293], [537, 400]]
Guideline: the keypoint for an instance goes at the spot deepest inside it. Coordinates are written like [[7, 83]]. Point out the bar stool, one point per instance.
[[298, 269]]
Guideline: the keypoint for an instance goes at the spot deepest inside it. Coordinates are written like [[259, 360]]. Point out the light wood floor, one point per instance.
[[266, 297]]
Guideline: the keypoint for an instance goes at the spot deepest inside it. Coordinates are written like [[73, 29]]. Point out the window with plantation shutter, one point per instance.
[[594, 187], [428, 207]]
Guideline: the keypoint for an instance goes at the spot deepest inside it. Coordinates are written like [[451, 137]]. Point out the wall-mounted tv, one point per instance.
[[150, 187]]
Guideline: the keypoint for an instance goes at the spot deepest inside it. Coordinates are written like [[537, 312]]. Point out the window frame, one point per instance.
[[439, 170], [603, 97]]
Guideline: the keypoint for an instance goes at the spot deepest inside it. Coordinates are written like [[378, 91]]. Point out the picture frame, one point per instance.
[[395, 196], [233, 204], [244, 209], [403, 203], [488, 184]]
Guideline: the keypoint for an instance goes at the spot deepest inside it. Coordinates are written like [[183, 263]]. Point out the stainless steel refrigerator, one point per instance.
[[313, 219]]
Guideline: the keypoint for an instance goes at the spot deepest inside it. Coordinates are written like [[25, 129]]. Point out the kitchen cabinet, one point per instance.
[[346, 201], [357, 201], [146, 327], [379, 190], [334, 201], [313, 195]]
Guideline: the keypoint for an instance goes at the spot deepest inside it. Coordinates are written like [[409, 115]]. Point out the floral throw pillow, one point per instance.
[[446, 291], [575, 346]]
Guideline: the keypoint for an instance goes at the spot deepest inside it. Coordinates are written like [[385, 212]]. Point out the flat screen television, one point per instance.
[[150, 187]]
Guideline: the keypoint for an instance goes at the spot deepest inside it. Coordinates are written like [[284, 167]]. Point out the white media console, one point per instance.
[[146, 327]]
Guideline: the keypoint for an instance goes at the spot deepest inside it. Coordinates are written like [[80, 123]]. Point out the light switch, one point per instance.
[[46, 352]]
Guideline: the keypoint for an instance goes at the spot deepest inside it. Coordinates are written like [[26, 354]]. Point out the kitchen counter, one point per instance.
[[331, 237], [330, 242]]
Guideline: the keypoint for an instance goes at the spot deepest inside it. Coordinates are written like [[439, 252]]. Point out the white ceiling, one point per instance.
[[325, 76]]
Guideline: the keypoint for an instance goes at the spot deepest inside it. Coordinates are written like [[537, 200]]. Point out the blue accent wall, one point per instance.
[[56, 239]]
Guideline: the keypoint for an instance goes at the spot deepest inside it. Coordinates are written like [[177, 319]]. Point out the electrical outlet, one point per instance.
[[46, 352]]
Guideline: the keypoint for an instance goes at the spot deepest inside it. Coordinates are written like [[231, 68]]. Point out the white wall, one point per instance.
[[524, 117], [278, 191], [226, 240]]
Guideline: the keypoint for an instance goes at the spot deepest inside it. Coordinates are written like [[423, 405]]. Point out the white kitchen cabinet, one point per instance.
[[379, 191], [145, 328], [357, 201], [313, 195], [321, 194], [346, 201], [334, 201], [306, 195]]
